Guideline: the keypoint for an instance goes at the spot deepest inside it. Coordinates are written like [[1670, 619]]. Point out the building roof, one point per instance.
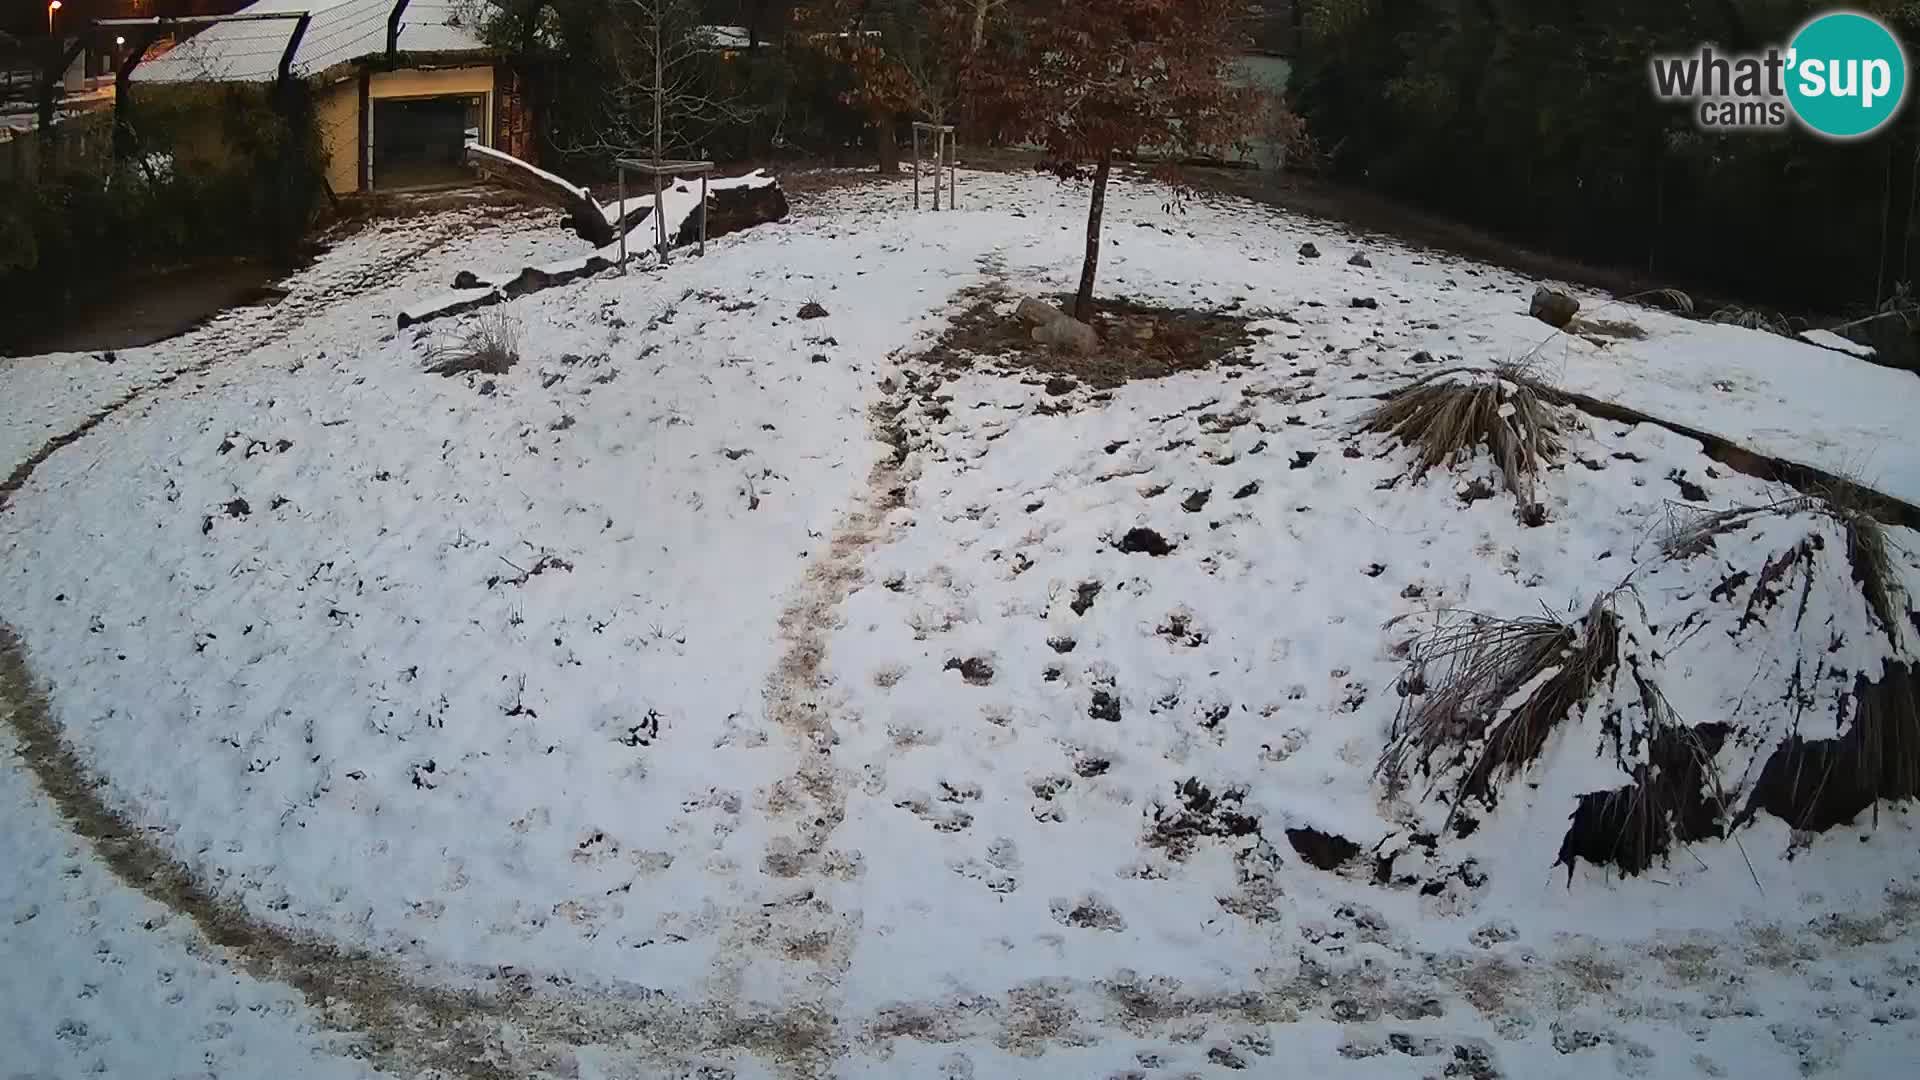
[[341, 30]]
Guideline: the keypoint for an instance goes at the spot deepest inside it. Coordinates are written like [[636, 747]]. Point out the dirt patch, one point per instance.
[[976, 670], [1137, 340], [1324, 851], [1197, 812], [1143, 541]]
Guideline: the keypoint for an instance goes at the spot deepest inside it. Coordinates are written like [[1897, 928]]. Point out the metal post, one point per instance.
[[622, 225], [703, 215], [939, 141], [916, 166], [953, 175]]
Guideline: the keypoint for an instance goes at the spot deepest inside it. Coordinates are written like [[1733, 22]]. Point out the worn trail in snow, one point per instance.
[[621, 712]]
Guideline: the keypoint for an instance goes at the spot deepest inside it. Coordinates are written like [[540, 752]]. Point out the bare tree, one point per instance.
[[664, 95]]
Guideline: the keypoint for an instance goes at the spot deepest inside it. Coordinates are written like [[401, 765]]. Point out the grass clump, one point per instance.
[[489, 345], [1447, 417]]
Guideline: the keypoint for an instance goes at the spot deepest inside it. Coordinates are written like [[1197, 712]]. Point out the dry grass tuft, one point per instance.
[[489, 345], [1753, 319], [1447, 417], [1503, 685], [1871, 555], [1690, 531]]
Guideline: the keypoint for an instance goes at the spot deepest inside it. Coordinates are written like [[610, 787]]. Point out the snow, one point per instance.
[[1827, 339], [102, 981], [631, 667], [341, 31]]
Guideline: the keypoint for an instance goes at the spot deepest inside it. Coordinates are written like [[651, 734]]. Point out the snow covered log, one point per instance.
[[583, 214], [490, 291], [733, 204]]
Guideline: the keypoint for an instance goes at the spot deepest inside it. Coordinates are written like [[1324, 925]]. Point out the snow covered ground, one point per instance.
[[644, 678]]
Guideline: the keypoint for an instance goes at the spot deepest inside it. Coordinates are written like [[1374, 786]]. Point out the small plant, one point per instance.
[[489, 345], [1446, 417]]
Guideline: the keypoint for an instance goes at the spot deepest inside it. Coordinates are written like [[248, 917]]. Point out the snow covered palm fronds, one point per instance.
[[1501, 687], [1814, 716], [1446, 418]]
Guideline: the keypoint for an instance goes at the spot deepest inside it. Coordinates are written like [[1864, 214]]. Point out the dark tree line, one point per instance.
[[1537, 119]]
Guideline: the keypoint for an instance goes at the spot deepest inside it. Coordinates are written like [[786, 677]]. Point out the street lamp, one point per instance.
[[53, 6]]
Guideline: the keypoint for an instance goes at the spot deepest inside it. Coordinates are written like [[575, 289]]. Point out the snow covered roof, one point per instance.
[[341, 30], [724, 37]]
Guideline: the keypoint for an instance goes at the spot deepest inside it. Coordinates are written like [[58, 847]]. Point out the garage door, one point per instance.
[[418, 142]]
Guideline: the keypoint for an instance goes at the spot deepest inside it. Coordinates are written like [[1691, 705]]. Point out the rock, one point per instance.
[[812, 310], [1038, 312], [1553, 307], [1367, 302], [1360, 259], [467, 279], [1308, 251], [1069, 335]]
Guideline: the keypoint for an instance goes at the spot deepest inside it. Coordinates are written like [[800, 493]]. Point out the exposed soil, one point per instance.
[[140, 309], [1137, 341], [1324, 851]]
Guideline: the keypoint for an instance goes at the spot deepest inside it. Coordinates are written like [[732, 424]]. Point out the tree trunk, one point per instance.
[[887, 144], [1083, 302], [1898, 212]]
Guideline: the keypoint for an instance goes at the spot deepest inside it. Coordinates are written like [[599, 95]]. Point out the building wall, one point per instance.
[[337, 111]]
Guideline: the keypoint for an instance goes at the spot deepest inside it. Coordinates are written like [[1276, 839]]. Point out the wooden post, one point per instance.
[[953, 174], [622, 226], [703, 215], [916, 166], [939, 143]]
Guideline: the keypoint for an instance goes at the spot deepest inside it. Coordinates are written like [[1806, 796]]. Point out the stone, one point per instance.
[[1367, 302], [1038, 312], [467, 279], [1308, 251], [1360, 259], [1553, 307], [812, 310], [1067, 335]]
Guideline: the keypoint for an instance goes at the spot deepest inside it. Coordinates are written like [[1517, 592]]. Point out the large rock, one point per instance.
[[1067, 335], [1038, 312], [1553, 307]]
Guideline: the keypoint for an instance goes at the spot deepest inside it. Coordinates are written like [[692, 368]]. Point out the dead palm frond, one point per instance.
[[1690, 530], [489, 345], [1673, 299], [1501, 687], [1447, 417], [1753, 319], [1870, 553]]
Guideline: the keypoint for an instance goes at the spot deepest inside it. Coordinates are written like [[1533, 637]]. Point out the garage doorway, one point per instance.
[[421, 142]]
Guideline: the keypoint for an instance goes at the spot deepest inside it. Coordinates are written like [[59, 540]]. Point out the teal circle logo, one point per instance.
[[1846, 75]]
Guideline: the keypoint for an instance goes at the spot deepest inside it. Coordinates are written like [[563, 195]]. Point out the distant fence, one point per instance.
[[84, 145]]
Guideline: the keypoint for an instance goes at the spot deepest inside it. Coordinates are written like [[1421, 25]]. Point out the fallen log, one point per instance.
[[583, 213], [733, 204]]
